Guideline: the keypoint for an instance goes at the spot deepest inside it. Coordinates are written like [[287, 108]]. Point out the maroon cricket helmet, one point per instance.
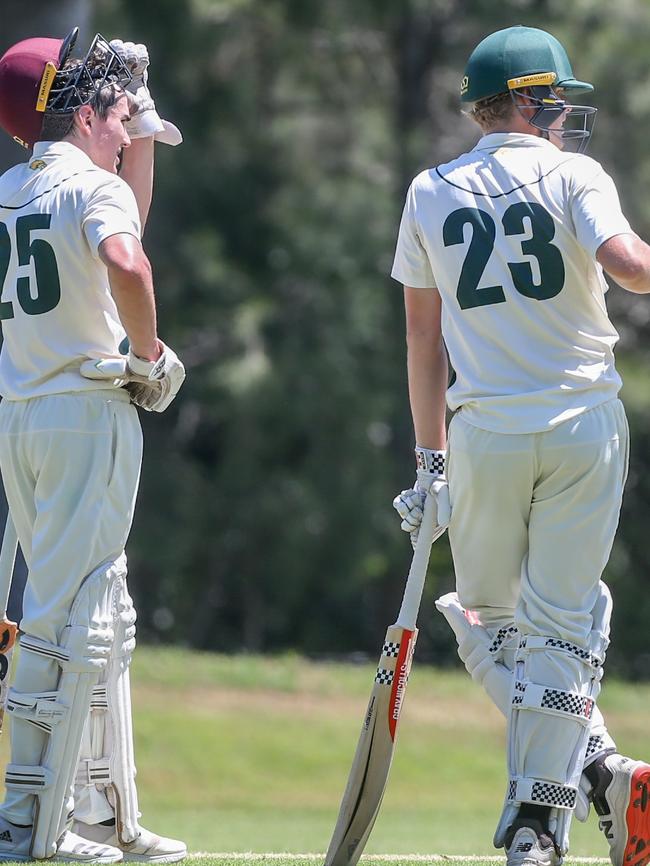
[[22, 73], [33, 81]]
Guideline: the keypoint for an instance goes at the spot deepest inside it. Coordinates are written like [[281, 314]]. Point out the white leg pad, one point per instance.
[[548, 729], [489, 659], [83, 653], [105, 782]]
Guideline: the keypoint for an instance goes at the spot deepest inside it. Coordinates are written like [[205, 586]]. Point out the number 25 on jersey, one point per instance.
[[46, 281]]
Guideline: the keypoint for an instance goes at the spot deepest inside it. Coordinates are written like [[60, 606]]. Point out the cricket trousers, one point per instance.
[[70, 466], [533, 522]]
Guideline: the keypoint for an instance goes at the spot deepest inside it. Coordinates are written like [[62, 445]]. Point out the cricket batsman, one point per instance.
[[502, 254], [80, 348]]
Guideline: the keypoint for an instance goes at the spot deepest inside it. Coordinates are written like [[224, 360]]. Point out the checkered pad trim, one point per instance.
[[384, 677], [430, 461], [555, 643], [595, 744], [567, 702], [553, 795], [502, 636], [583, 654], [543, 793], [518, 696], [390, 649]]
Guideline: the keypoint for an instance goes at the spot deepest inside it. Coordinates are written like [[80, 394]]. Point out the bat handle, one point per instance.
[[7, 561], [429, 531]]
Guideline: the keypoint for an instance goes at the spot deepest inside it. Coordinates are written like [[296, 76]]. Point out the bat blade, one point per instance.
[[374, 754], [8, 629], [8, 633]]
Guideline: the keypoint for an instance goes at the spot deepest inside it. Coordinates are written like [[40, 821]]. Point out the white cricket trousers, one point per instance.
[[533, 522], [534, 517], [70, 466]]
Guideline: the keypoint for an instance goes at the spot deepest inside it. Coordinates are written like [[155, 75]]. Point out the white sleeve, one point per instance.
[[596, 211], [411, 265], [110, 209]]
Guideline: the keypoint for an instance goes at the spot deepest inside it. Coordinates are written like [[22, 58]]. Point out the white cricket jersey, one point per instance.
[[508, 234], [56, 306]]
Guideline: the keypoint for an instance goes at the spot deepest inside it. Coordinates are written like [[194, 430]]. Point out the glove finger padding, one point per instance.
[[151, 384], [155, 383], [430, 481], [409, 505], [145, 120], [136, 57], [106, 369]]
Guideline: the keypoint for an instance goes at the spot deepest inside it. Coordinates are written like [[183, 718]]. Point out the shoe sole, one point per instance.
[[637, 819], [22, 858], [154, 858]]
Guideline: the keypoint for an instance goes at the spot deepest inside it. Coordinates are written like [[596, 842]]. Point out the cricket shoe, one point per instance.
[[145, 848], [15, 845], [621, 798], [530, 845]]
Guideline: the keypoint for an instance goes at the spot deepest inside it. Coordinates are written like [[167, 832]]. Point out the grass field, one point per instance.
[[250, 755]]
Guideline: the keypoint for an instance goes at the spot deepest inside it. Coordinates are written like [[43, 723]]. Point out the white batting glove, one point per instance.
[[145, 120], [430, 481], [151, 384], [154, 384]]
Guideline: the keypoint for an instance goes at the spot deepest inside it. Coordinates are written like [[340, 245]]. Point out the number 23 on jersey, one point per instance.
[[481, 245]]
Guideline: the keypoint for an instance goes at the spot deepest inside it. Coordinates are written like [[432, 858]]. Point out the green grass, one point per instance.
[[251, 754]]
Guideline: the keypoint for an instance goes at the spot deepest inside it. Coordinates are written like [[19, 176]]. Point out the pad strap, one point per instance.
[[557, 702], [99, 700], [504, 635], [93, 772], [534, 643], [40, 708], [542, 792], [28, 780]]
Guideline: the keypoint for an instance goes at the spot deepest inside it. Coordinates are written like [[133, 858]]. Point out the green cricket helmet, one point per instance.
[[532, 63]]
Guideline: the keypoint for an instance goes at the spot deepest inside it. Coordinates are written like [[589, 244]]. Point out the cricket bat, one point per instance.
[[373, 757], [8, 629]]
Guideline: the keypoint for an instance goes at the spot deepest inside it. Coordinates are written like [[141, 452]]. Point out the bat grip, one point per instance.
[[429, 531], [7, 561]]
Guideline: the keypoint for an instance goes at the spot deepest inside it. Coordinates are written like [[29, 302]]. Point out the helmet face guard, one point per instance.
[[34, 83], [568, 126], [76, 85]]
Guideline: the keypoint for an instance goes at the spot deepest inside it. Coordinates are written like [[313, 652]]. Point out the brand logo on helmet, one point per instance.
[[464, 85], [49, 74], [531, 80]]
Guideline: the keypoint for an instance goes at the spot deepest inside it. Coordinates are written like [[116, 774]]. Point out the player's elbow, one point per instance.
[[422, 336], [626, 258], [125, 259]]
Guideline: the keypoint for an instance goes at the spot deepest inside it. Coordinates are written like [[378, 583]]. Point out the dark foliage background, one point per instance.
[[264, 520]]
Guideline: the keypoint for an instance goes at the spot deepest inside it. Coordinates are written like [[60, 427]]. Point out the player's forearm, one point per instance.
[[427, 375], [132, 290], [137, 171]]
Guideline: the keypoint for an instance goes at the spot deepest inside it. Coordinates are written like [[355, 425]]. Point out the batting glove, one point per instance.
[[145, 120], [151, 384], [430, 481]]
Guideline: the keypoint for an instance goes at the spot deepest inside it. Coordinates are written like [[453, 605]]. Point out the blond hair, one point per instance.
[[494, 109]]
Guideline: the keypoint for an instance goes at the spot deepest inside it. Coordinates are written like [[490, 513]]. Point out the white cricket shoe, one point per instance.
[[621, 799], [530, 848], [15, 843], [146, 848]]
